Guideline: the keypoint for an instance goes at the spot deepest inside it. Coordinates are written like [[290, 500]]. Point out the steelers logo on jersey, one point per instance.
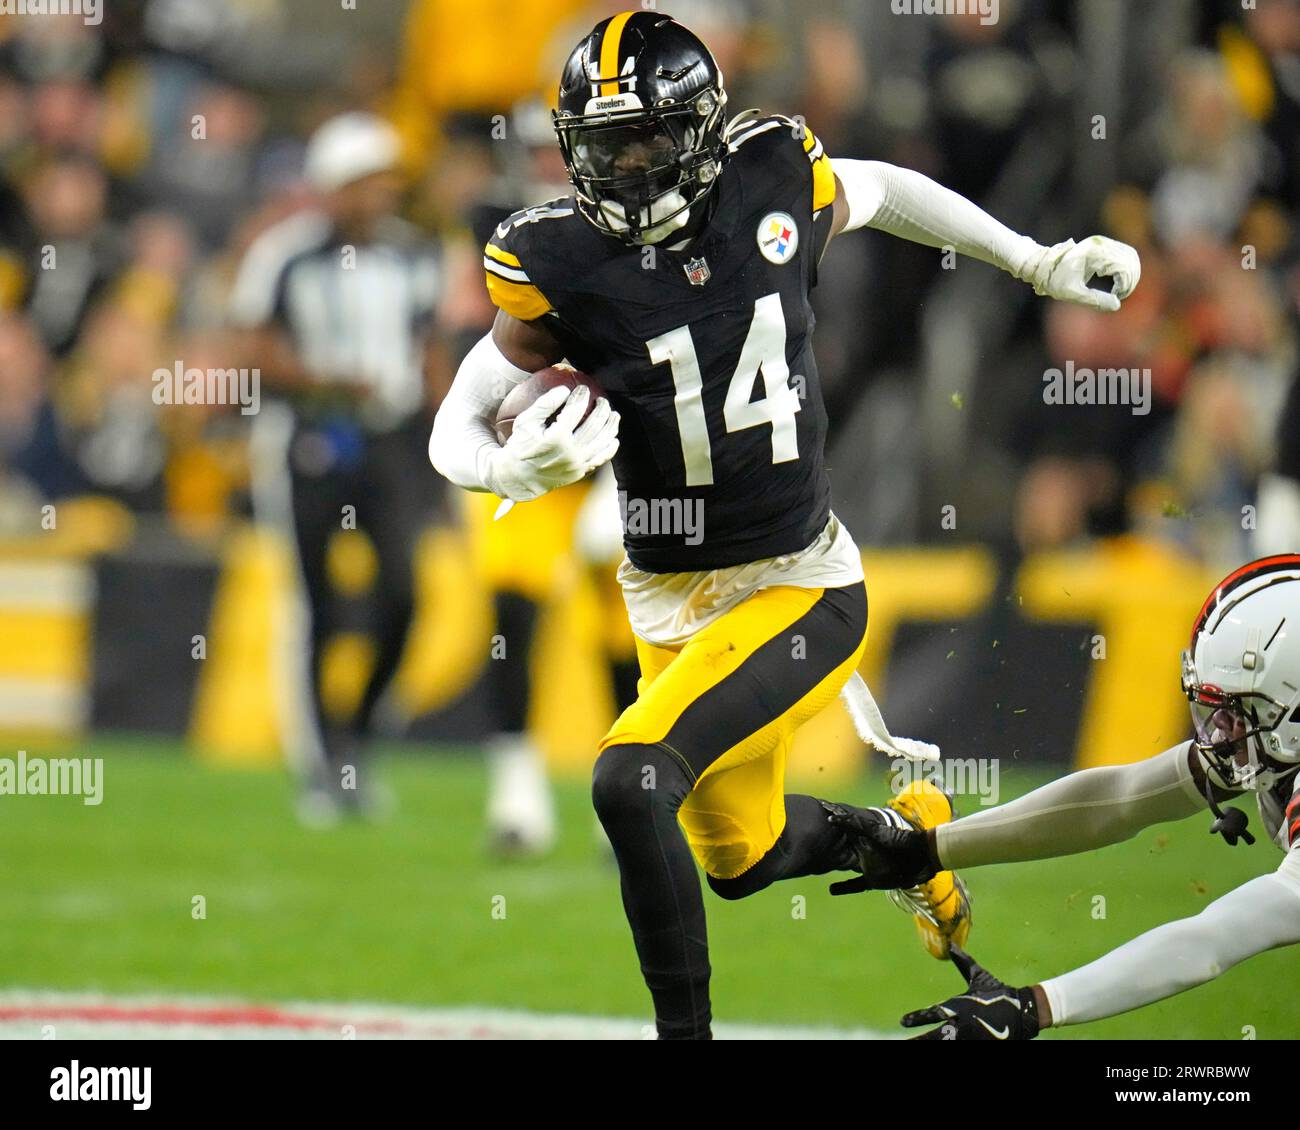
[[778, 237]]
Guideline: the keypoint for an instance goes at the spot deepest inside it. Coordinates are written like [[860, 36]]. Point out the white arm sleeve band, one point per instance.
[[464, 433], [1260, 915], [1085, 810], [912, 206]]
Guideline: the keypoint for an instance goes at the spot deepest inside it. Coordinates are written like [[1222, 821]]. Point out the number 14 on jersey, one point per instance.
[[763, 352]]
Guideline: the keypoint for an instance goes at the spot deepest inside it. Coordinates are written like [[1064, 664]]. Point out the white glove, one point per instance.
[[1063, 271], [540, 457]]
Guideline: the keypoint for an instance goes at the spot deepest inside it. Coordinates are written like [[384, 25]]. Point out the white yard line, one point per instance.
[[34, 1015]]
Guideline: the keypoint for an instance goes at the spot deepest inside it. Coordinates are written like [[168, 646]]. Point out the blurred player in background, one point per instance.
[[527, 556], [1241, 675], [339, 303], [678, 273], [599, 542]]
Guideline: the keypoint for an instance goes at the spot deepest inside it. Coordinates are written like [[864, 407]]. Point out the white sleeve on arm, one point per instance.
[[464, 432], [1079, 812], [1260, 915], [912, 206]]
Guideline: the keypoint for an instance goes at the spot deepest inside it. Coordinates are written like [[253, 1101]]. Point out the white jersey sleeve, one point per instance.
[[1079, 812], [911, 206], [1260, 915], [464, 434]]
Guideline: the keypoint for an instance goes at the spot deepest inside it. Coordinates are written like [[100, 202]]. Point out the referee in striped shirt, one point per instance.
[[338, 306]]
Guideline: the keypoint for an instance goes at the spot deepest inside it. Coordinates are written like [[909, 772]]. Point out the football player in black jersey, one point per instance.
[[677, 274]]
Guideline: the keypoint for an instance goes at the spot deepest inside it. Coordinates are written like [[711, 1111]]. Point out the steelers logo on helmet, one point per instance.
[[778, 237]]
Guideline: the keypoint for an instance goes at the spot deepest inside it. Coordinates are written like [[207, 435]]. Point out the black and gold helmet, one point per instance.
[[640, 122]]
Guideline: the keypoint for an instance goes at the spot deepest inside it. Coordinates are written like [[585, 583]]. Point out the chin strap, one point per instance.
[[1230, 824]]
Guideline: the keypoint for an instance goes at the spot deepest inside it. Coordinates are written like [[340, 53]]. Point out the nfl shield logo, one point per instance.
[[697, 270]]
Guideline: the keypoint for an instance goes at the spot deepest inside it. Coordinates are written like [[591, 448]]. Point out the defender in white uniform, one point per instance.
[[1241, 674]]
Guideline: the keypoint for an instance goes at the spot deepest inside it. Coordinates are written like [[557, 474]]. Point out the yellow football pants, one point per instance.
[[727, 704]]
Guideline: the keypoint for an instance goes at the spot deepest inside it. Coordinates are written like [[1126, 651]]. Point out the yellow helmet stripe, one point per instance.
[[609, 45]]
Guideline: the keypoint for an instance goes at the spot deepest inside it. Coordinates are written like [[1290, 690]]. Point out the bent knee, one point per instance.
[[636, 778]]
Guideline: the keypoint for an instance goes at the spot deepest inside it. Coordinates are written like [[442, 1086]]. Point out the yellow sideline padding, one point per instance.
[[1140, 595], [234, 716], [450, 640]]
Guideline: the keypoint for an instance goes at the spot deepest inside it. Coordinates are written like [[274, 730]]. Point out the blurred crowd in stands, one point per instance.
[[140, 158]]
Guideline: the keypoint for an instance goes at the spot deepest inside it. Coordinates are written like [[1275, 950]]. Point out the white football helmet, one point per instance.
[[1241, 674]]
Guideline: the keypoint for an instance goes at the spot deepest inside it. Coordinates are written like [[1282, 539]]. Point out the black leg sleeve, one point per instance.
[[396, 504], [637, 790], [508, 674], [394, 610], [809, 845]]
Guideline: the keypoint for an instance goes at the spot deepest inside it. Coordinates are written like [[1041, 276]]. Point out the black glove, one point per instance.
[[989, 1010], [890, 858]]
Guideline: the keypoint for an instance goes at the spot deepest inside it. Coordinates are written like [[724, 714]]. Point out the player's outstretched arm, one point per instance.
[[1079, 812], [1261, 915], [542, 453], [1258, 916], [912, 206]]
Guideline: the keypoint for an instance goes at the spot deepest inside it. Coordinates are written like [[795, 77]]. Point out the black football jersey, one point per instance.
[[705, 352]]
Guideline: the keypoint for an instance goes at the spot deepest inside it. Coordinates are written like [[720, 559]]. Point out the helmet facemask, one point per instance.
[[1236, 732]]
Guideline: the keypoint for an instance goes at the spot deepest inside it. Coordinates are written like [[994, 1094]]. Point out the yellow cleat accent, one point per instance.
[[940, 907]]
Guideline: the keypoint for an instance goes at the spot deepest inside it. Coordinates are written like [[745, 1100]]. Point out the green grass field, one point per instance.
[[99, 898]]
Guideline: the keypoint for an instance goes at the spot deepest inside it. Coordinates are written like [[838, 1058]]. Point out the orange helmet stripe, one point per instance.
[[1263, 565]]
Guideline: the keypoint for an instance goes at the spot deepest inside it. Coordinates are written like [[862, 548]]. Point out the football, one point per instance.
[[541, 382]]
